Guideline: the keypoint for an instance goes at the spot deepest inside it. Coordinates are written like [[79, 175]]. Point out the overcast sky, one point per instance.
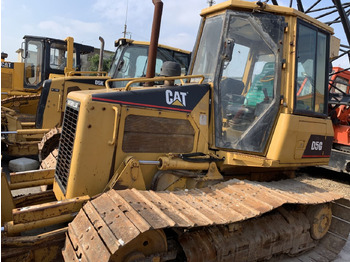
[[86, 20]]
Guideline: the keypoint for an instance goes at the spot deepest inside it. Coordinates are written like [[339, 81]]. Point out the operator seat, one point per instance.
[[231, 95], [265, 80]]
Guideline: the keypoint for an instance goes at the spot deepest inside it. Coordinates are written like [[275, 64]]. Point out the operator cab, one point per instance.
[[130, 60], [43, 56], [242, 54]]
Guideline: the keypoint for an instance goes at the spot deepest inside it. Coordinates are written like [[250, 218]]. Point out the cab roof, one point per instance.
[[82, 48], [145, 43], [240, 5]]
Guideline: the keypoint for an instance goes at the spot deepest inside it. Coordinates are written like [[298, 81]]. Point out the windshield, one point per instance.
[[131, 62], [115, 61], [248, 83], [58, 56], [208, 50]]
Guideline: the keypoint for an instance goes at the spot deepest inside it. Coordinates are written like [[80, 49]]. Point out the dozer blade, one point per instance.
[[232, 221], [20, 98]]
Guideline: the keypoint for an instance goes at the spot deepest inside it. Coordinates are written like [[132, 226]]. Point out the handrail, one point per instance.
[[154, 79], [114, 137], [118, 80], [72, 73]]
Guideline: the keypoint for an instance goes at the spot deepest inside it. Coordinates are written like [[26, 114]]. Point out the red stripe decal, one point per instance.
[[324, 156]]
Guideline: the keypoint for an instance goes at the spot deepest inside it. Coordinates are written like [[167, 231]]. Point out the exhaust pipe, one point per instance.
[[100, 62], [152, 52]]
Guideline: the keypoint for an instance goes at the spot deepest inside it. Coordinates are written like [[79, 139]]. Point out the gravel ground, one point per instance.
[[328, 180]]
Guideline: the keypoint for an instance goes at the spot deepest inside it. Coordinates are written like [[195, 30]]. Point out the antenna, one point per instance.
[[211, 2], [125, 33]]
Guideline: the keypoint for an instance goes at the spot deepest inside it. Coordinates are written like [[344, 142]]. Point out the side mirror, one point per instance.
[[120, 65], [228, 49]]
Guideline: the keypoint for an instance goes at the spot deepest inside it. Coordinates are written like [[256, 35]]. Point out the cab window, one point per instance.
[[311, 70], [33, 62], [341, 84]]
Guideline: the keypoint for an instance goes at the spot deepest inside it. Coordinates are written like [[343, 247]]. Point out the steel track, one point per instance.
[[117, 218]]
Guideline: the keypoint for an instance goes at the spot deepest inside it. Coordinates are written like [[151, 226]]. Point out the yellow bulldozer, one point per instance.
[[193, 169], [130, 60], [21, 84], [43, 58]]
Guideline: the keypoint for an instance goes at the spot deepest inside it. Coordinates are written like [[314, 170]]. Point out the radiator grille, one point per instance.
[[66, 144], [148, 134]]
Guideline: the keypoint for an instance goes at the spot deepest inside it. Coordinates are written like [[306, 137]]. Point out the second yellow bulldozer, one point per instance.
[[130, 60], [43, 58]]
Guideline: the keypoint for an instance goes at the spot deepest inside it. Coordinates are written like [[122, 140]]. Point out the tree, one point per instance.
[[94, 60]]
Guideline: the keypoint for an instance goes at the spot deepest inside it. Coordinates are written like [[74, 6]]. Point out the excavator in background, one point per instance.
[[156, 172], [130, 60], [43, 58], [339, 111]]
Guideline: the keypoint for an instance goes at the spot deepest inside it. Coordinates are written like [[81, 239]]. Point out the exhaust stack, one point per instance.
[[100, 62], [152, 53]]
